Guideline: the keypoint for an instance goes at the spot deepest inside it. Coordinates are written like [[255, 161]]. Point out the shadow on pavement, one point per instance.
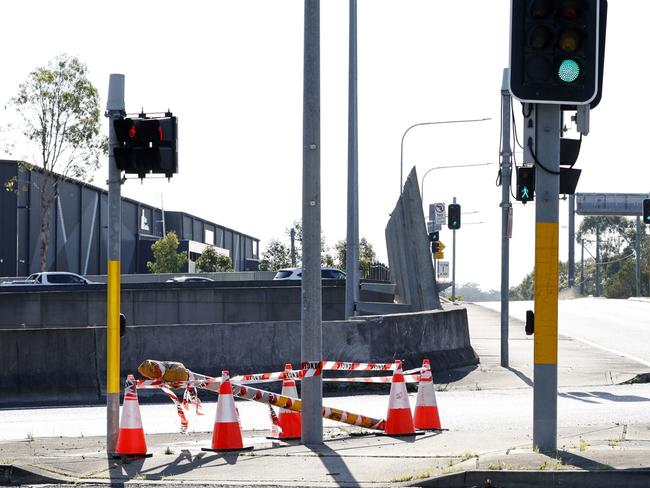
[[335, 465], [520, 375], [595, 396]]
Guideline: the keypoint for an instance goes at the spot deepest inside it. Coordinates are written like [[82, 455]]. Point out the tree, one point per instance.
[[275, 257], [167, 259], [366, 254], [297, 229], [58, 109], [211, 261]]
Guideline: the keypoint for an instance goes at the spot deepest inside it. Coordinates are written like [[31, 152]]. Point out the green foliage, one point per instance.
[[275, 257], [366, 254], [211, 261], [617, 266], [167, 259], [472, 292], [58, 109]]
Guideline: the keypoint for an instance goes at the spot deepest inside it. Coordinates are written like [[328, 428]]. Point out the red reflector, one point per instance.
[[132, 131], [160, 133]]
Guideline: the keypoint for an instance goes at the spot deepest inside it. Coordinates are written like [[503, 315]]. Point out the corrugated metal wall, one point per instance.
[[78, 229]]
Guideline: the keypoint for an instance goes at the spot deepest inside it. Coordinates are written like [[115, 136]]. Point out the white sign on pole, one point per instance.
[[430, 227], [443, 269], [437, 213]]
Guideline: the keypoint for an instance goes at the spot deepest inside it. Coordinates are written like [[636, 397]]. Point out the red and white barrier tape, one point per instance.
[[408, 378]]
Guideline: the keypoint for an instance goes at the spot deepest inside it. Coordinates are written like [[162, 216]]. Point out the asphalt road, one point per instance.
[[619, 326]]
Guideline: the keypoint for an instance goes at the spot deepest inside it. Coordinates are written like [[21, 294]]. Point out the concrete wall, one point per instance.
[[409, 251], [68, 365], [35, 306]]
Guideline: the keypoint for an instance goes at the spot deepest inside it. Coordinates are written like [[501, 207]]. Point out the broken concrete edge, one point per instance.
[[29, 475]]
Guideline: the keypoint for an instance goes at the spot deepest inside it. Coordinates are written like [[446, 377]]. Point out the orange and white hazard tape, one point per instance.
[[408, 378]]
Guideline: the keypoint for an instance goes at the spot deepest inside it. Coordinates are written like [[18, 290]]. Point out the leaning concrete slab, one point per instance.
[[409, 255]]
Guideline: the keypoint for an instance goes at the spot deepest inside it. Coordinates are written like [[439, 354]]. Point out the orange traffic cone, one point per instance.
[[399, 420], [227, 432], [289, 422], [130, 439], [426, 408]]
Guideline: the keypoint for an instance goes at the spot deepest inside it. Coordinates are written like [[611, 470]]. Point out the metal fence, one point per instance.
[[377, 272]]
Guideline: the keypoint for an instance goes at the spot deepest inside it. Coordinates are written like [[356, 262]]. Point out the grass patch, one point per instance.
[[169, 451], [583, 446]]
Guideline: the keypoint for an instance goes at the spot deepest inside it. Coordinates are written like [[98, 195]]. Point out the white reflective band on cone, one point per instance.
[[398, 396], [131, 418], [426, 396], [226, 411]]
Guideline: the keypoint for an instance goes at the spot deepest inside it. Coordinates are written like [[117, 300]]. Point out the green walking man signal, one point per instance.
[[525, 184]]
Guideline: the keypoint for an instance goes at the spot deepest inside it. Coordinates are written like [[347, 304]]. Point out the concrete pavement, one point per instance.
[[603, 453]]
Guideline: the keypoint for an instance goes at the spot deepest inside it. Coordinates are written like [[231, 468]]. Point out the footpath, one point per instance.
[[603, 454]]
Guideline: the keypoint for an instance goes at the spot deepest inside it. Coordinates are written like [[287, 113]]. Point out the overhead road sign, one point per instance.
[[624, 204]]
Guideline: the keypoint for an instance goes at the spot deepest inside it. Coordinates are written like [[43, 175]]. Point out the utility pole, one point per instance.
[[582, 267], [506, 208], [572, 228], [453, 261], [544, 147], [637, 251], [114, 110], [311, 334], [597, 291], [352, 240]]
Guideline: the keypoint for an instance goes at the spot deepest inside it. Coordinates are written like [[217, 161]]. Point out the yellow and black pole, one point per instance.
[[114, 110], [542, 135]]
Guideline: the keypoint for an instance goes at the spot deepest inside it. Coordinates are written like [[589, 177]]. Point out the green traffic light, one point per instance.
[[569, 71]]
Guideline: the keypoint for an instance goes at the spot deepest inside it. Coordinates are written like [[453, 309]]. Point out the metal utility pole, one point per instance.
[[352, 239], [311, 334], [597, 291], [637, 250], [114, 110], [582, 267], [506, 207], [572, 229], [292, 233], [453, 261], [545, 149]]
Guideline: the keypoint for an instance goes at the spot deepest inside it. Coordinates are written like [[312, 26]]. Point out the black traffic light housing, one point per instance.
[[525, 184], [147, 145], [554, 51], [435, 247], [646, 211], [453, 216], [434, 236]]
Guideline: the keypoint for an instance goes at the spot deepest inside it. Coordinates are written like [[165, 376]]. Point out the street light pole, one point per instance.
[[401, 154], [446, 167]]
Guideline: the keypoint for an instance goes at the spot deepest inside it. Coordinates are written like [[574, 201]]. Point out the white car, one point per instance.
[[189, 279], [58, 278], [296, 274]]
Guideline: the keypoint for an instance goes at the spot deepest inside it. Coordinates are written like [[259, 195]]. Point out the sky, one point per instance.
[[232, 73]]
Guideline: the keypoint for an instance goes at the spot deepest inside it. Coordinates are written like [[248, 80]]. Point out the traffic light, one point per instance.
[[646, 211], [525, 183], [434, 236], [435, 247], [554, 50], [147, 145], [453, 216]]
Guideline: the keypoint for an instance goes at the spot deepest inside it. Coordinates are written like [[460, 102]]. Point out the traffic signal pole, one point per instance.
[[506, 167], [114, 110], [545, 150]]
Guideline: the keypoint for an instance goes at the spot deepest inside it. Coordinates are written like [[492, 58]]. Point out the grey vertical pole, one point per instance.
[[572, 229], [506, 166], [597, 284], [114, 109], [293, 247], [453, 263], [311, 325], [546, 149], [582, 267], [637, 248], [352, 240]]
